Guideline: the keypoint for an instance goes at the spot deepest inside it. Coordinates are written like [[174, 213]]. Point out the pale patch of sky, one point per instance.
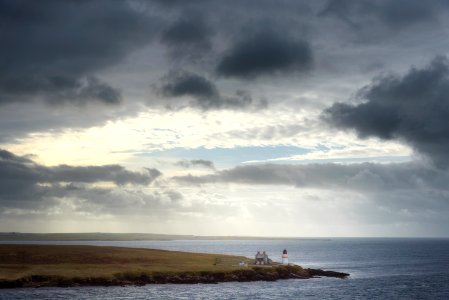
[[224, 137], [226, 157]]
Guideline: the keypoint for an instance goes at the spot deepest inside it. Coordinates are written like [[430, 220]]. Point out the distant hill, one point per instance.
[[101, 236]]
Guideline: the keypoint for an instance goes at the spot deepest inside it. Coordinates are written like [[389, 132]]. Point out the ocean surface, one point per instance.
[[379, 268]]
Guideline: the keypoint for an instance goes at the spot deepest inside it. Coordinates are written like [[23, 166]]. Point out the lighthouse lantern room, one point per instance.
[[284, 257]]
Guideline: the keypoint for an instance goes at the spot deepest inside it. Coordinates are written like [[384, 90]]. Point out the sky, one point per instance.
[[285, 118]]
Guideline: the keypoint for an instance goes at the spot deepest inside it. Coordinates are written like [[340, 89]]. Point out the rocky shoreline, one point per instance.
[[207, 277]]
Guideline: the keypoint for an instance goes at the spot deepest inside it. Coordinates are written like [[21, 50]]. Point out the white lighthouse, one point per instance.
[[284, 257]]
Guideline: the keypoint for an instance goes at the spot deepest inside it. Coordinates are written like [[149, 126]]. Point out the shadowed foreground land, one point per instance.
[[57, 265]]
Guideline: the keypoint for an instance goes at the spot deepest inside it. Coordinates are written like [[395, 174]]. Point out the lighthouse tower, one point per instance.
[[284, 257]]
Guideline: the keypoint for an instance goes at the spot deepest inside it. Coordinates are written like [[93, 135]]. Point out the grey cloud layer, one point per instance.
[[410, 193], [14, 168], [370, 21], [365, 176], [24, 182], [55, 48], [413, 108], [188, 38], [27, 188]]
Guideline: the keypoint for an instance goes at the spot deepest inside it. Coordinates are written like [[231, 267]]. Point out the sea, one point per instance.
[[380, 268]]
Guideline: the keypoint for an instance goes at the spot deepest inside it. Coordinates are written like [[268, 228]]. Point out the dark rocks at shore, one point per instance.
[[206, 277], [321, 273]]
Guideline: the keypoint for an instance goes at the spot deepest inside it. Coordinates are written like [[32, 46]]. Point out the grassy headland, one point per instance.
[[60, 265]]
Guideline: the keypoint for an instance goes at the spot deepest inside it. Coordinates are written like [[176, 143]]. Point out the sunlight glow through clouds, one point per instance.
[[155, 131]]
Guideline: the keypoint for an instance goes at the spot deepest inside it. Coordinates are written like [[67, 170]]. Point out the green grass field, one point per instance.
[[20, 261], [76, 265]]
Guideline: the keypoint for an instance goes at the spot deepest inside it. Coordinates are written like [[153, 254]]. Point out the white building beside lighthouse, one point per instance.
[[284, 257]]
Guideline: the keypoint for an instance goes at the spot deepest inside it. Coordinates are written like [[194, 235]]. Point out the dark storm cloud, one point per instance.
[[413, 108], [196, 162], [51, 50], [265, 53], [204, 93]]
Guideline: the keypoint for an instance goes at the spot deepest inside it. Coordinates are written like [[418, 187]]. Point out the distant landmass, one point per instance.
[[102, 236]]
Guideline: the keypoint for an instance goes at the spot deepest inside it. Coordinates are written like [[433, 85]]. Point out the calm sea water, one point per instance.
[[379, 268]]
